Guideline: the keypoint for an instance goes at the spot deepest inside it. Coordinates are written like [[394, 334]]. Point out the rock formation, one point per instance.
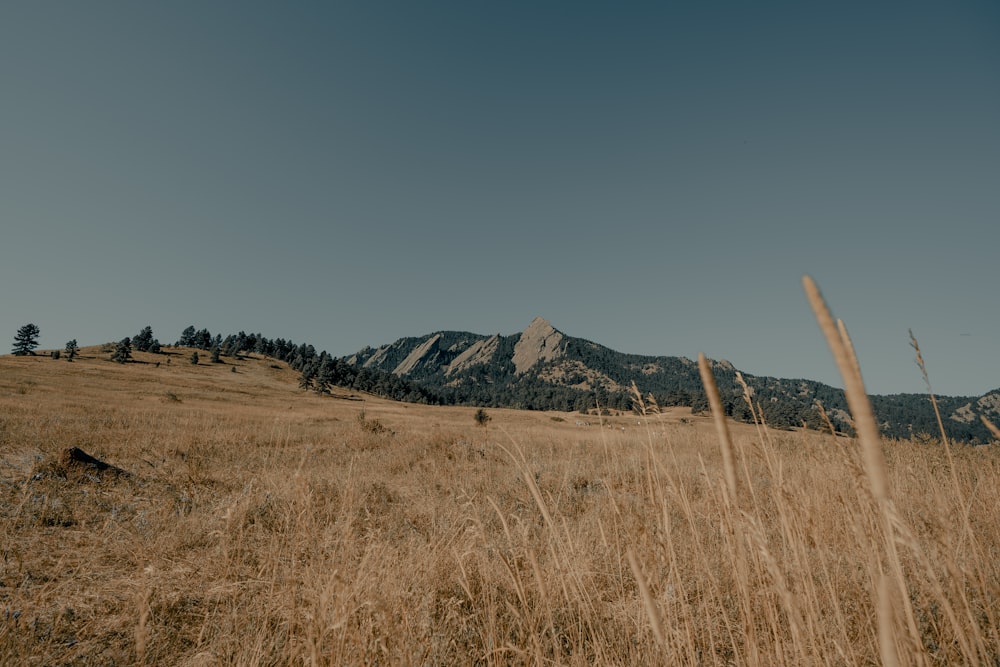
[[540, 341], [479, 352], [428, 347]]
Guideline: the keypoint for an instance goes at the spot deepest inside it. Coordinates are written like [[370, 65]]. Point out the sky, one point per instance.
[[654, 177]]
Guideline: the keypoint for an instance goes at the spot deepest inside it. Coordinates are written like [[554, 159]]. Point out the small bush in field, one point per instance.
[[372, 425]]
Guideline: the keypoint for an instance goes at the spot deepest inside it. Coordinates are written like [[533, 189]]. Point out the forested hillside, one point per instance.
[[576, 374]]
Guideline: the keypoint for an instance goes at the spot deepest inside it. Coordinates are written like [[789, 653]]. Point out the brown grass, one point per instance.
[[262, 525]]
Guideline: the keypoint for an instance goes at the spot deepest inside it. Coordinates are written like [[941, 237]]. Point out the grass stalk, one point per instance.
[[871, 445], [927, 380], [721, 426], [854, 388]]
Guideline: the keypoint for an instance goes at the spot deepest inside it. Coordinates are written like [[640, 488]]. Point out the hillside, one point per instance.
[[543, 368], [237, 519]]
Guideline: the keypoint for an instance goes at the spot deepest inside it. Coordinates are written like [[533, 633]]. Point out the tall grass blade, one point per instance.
[[988, 424], [647, 599], [854, 388], [927, 380], [715, 403]]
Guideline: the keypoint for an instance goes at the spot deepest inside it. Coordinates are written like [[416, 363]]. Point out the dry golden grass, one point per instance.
[[261, 525]]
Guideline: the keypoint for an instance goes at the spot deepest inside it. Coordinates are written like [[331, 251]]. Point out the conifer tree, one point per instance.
[[143, 340], [326, 376], [26, 340], [203, 339], [123, 351], [72, 349], [307, 376], [187, 337]]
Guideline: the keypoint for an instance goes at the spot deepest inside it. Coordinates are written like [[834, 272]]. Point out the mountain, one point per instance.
[[542, 368]]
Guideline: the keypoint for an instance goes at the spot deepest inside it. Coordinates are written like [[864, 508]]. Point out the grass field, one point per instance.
[[253, 524]]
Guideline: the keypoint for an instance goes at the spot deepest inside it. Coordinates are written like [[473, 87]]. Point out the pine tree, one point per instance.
[[203, 339], [123, 351], [326, 374], [143, 340], [72, 349], [194, 357], [187, 337], [231, 346], [307, 376], [215, 355], [26, 340]]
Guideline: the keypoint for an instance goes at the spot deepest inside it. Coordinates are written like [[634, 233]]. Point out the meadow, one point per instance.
[[251, 523]]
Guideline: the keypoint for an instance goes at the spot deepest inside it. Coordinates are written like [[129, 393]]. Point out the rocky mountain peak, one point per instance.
[[540, 341]]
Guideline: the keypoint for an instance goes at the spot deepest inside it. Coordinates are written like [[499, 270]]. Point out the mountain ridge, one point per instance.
[[542, 367]]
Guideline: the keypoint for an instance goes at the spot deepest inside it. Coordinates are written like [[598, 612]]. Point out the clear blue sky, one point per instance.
[[655, 177]]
